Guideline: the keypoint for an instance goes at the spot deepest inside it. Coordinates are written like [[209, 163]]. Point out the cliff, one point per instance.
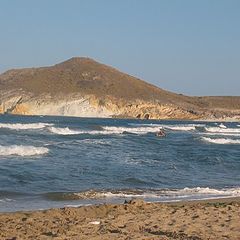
[[86, 88]]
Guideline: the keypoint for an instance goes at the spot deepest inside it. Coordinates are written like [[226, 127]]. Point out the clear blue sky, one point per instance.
[[187, 46]]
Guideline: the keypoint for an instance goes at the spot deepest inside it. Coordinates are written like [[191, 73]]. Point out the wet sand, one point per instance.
[[210, 219]]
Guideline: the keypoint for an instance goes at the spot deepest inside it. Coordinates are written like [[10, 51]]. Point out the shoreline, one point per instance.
[[235, 119], [135, 219]]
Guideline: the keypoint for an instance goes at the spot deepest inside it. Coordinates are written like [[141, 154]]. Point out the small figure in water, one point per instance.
[[161, 133]]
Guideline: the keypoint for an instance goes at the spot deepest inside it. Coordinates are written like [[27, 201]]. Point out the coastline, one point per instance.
[[124, 117], [136, 219]]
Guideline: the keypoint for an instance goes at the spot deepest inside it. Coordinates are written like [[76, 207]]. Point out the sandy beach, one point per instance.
[[136, 219]]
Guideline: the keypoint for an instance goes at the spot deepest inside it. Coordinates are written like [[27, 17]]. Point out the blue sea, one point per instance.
[[48, 162]]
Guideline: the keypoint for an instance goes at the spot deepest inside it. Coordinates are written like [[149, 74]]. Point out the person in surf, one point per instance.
[[161, 133]]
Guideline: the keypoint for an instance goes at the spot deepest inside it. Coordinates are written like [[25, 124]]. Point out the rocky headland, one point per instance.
[[83, 87]]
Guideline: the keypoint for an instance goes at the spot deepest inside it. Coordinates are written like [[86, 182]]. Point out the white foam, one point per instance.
[[219, 134], [128, 195], [64, 131], [120, 130], [210, 191], [136, 130], [24, 126], [181, 128], [67, 131], [4, 200], [21, 150], [222, 125], [106, 130], [196, 192], [222, 130], [221, 140]]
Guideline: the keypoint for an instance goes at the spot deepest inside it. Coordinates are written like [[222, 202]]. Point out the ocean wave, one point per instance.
[[135, 130], [234, 192], [221, 140], [180, 127], [155, 195], [21, 150], [222, 125], [219, 134], [5, 200], [222, 130], [64, 131], [67, 131], [24, 126], [95, 141], [107, 130]]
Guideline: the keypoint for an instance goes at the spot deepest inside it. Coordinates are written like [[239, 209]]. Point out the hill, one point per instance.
[[84, 87]]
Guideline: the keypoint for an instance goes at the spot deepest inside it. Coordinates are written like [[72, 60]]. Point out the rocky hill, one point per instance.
[[84, 87]]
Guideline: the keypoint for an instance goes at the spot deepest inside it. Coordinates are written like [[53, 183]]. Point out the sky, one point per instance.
[[185, 46]]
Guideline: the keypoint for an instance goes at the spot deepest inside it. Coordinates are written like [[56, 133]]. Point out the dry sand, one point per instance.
[[215, 219]]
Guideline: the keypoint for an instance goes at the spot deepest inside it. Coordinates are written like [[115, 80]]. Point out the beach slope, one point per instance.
[[211, 219]]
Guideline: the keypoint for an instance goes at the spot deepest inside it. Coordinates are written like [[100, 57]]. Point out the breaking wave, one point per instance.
[[221, 140], [136, 130], [21, 150], [181, 128], [222, 125], [153, 195], [140, 130], [222, 130], [24, 126], [220, 134], [106, 130], [67, 131], [64, 131]]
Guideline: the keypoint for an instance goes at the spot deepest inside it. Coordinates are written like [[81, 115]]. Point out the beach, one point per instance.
[[135, 219]]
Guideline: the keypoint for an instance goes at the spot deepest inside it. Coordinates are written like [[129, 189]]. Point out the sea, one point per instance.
[[54, 162]]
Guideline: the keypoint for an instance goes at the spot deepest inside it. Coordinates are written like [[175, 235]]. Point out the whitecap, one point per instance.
[[4, 200], [136, 130], [181, 128], [21, 150], [222, 125], [219, 134], [68, 131], [107, 130], [24, 126], [177, 127], [221, 140], [64, 131], [222, 130]]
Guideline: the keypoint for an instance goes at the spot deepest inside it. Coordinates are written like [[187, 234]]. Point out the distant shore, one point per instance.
[[229, 119], [136, 219]]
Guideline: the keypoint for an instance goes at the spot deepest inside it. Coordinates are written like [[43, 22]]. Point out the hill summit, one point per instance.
[[84, 87]]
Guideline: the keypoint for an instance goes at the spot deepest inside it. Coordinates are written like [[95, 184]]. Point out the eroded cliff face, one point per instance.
[[70, 105], [18, 102]]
